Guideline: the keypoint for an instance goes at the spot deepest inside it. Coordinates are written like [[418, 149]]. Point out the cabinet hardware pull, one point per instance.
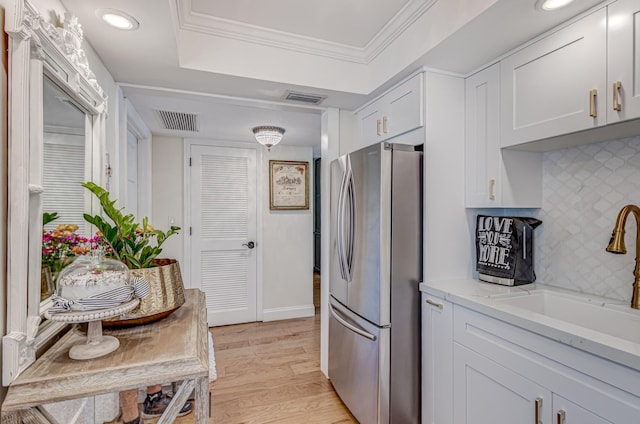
[[385, 124], [492, 184], [593, 112], [436, 304], [617, 86], [561, 416], [379, 127], [538, 408]]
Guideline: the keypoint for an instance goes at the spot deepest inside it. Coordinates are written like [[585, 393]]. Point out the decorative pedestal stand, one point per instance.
[[96, 344]]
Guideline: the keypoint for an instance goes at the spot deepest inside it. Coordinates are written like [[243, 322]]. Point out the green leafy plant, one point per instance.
[[137, 246], [49, 217]]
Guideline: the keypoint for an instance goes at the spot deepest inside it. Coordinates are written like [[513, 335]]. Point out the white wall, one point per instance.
[[3, 193], [167, 192], [447, 241], [287, 247], [287, 240], [336, 125]]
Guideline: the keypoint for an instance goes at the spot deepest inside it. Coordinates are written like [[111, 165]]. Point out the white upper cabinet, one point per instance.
[[623, 97], [556, 85], [397, 112], [482, 139], [495, 178], [370, 125], [405, 110]]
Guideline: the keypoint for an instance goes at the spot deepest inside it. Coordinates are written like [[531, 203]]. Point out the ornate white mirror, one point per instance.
[[57, 114]]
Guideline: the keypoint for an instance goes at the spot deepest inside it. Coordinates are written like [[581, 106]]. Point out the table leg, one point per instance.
[[27, 416], [10, 417], [177, 402], [202, 400]]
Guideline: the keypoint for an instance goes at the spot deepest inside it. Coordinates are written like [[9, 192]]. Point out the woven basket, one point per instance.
[[166, 294]]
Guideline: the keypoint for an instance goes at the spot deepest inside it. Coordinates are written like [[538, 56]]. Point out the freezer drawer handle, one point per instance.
[[349, 326]]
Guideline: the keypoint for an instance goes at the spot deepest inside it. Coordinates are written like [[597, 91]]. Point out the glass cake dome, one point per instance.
[[89, 275]]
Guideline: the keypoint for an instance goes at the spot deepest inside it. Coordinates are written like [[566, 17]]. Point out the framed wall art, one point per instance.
[[288, 185]]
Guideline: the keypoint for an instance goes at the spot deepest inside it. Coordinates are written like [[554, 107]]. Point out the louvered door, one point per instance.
[[223, 215], [64, 171]]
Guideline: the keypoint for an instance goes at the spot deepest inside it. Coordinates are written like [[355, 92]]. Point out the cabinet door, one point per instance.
[[405, 110], [546, 87], [623, 97], [482, 139], [488, 393], [567, 412], [437, 360], [370, 125]]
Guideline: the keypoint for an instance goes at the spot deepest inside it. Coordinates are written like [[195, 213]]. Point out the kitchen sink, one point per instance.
[[610, 318]]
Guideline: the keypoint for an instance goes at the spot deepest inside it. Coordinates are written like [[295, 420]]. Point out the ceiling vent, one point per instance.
[[178, 121], [296, 96]]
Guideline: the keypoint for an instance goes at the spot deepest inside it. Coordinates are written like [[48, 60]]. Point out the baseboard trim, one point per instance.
[[289, 312]]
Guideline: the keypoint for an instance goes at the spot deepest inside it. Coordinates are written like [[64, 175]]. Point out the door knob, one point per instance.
[[250, 245]]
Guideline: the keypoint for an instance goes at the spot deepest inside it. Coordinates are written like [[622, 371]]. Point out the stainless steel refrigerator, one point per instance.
[[376, 266]]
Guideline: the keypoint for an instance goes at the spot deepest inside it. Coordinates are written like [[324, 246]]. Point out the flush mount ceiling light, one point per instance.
[[118, 19], [268, 135], [549, 5]]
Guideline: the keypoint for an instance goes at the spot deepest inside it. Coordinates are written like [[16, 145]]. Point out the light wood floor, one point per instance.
[[270, 373]]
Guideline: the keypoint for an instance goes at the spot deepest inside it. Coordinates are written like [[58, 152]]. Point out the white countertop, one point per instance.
[[483, 297]]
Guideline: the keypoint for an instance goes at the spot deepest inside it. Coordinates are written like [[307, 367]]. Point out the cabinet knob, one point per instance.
[[385, 124], [379, 127], [561, 416]]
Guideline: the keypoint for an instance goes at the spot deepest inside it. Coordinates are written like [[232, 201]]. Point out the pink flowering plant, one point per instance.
[[61, 245]]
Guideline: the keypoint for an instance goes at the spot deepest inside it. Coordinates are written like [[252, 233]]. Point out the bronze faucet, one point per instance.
[[616, 245]]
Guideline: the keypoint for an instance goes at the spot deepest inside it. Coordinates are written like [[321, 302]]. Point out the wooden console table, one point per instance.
[[170, 350]]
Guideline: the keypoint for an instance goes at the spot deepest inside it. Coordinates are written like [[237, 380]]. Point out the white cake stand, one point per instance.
[[95, 344]]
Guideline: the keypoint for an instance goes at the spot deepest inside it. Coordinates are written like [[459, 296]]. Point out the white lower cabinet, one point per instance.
[[488, 393], [567, 412], [437, 360], [500, 373]]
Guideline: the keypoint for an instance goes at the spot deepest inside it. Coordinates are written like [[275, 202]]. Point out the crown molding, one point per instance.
[[211, 25], [396, 26]]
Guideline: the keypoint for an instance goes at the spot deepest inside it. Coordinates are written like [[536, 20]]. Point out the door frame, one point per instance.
[[260, 179], [136, 125]]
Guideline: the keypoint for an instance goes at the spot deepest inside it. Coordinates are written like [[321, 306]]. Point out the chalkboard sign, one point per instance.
[[504, 249]]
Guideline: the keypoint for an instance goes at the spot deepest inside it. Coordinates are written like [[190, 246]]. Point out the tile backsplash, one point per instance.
[[584, 188]]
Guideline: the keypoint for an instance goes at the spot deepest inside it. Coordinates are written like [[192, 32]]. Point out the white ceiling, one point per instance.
[[354, 22], [231, 61]]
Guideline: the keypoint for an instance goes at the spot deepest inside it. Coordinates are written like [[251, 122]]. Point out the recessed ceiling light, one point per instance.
[[118, 19], [548, 5]]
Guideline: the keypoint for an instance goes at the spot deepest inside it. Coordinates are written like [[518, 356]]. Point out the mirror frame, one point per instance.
[[36, 47]]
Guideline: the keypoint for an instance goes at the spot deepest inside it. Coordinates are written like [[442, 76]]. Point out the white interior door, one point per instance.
[[132, 174], [224, 221]]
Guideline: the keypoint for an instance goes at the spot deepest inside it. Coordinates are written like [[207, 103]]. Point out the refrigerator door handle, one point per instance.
[[340, 229], [351, 220], [351, 327]]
